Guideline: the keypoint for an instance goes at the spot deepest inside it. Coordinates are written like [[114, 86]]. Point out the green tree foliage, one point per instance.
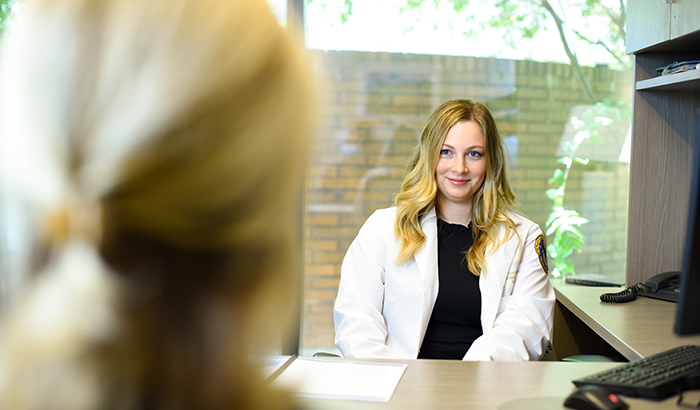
[[5, 12], [596, 23], [343, 7], [609, 35]]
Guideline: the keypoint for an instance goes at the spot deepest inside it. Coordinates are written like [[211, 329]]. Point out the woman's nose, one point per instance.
[[461, 165]]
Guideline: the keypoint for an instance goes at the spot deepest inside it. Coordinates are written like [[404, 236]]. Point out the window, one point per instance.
[[388, 64], [279, 7], [7, 242]]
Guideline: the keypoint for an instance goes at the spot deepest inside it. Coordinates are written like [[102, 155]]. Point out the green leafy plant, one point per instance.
[[564, 223], [6, 10]]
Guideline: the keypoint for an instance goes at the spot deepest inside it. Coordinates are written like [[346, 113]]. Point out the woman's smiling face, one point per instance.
[[461, 168]]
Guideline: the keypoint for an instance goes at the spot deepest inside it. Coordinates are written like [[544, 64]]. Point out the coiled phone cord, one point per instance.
[[626, 295]]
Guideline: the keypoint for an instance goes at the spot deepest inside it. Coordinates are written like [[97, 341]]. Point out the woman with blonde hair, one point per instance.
[[449, 272], [158, 147]]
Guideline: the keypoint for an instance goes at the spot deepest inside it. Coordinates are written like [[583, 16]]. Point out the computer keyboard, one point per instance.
[[654, 377]]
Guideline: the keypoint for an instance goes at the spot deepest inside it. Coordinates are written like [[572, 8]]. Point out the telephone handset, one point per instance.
[[664, 286], [662, 281]]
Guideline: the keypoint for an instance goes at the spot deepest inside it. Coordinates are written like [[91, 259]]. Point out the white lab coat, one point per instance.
[[382, 310]]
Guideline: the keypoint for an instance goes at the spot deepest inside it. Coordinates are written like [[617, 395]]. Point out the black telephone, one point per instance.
[[664, 286]]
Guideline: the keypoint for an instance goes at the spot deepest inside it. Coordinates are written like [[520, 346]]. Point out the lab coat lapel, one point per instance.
[[498, 279], [426, 261]]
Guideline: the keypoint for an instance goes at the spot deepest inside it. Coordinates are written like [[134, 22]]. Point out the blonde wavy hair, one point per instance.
[[419, 189], [160, 146]]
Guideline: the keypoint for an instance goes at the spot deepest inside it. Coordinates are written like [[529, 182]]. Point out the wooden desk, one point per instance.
[[635, 329], [583, 325], [443, 384]]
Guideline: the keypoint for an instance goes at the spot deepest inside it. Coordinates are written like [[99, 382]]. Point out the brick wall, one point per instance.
[[374, 107]]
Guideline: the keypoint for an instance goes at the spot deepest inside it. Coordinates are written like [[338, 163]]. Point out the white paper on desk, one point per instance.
[[332, 379]]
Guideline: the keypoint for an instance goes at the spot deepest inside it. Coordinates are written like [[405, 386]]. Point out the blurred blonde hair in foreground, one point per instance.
[[159, 145]]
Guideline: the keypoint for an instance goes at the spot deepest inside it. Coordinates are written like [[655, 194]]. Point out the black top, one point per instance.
[[456, 319]]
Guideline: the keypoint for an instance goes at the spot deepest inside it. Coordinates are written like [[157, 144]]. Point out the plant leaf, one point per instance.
[[558, 177], [564, 160], [552, 193]]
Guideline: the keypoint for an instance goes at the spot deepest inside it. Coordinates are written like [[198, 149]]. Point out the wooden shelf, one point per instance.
[[685, 81], [663, 134]]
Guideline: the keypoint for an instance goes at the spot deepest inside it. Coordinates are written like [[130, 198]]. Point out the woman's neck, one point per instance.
[[460, 214]]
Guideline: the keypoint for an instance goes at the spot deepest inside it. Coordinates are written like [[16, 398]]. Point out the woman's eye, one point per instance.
[[475, 154], [445, 152]]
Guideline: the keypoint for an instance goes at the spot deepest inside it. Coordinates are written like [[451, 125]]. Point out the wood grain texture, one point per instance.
[[441, 384], [572, 336], [636, 329], [663, 135], [648, 24], [643, 327], [688, 80], [663, 138], [685, 15]]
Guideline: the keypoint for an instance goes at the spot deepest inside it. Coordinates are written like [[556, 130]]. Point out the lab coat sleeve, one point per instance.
[[523, 324], [360, 328]]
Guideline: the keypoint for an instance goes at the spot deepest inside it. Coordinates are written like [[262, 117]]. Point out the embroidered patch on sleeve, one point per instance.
[[541, 249]]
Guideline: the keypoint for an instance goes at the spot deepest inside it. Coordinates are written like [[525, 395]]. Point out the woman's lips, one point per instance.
[[458, 182]]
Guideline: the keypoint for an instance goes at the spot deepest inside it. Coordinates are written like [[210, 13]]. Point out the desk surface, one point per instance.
[[442, 384], [636, 329]]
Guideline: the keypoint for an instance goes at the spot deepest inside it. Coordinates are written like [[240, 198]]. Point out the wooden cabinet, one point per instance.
[[663, 135], [652, 22], [648, 23], [685, 17]]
